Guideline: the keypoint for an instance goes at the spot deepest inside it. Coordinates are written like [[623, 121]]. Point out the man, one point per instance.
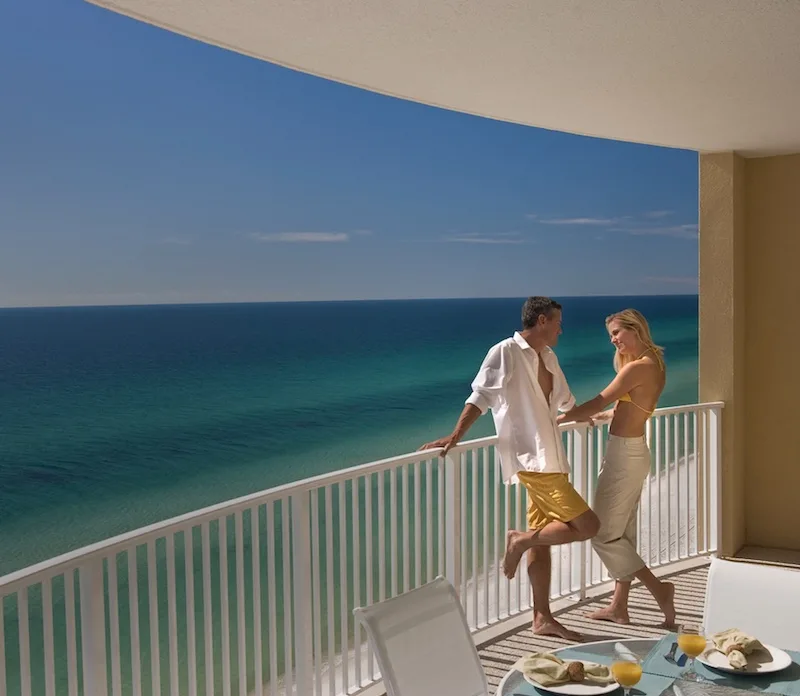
[[521, 381]]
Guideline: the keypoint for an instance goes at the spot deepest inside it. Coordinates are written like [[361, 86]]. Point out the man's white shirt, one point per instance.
[[527, 432]]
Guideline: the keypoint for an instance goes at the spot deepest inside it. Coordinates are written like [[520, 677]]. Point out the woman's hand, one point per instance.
[[565, 418]]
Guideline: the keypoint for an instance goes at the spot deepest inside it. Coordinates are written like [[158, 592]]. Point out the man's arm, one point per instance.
[[469, 415], [486, 389]]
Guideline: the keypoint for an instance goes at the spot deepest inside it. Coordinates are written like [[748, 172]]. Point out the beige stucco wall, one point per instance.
[[750, 340]]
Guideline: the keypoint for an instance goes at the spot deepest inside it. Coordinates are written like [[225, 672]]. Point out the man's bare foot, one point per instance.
[[611, 613], [666, 601], [514, 553], [551, 627]]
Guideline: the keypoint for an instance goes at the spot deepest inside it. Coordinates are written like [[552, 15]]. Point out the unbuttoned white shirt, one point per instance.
[[528, 437]]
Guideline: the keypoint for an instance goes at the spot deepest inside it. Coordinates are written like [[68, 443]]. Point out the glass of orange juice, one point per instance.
[[627, 670], [692, 641]]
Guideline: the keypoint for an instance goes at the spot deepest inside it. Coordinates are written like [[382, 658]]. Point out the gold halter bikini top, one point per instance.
[[627, 397]]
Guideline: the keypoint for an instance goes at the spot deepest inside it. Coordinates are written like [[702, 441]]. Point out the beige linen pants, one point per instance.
[[619, 486]]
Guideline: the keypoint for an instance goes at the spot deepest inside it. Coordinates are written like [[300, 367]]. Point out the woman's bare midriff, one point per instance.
[[628, 421]]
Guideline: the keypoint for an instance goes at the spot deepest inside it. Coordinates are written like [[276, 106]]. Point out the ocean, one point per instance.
[[117, 417]]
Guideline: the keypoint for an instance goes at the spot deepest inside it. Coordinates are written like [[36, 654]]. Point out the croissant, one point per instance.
[[576, 672]]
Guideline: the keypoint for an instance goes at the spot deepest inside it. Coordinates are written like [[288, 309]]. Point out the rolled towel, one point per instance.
[[548, 670], [736, 645]]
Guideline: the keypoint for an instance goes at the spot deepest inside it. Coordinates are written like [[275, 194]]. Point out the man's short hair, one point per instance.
[[535, 307]]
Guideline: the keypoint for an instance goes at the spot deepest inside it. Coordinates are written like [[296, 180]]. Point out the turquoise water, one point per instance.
[[115, 418]]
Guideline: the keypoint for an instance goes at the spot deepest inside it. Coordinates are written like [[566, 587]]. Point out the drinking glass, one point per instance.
[[626, 669], [692, 641]]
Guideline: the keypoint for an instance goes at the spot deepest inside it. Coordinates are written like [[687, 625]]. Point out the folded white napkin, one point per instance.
[[736, 645], [548, 670]]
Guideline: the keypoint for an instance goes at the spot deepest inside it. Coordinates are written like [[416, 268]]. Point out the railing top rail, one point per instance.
[[58, 564]]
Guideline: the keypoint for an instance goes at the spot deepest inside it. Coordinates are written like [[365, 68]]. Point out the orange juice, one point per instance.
[[627, 673], [691, 644]]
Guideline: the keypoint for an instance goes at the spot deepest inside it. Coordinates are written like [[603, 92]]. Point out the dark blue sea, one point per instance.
[[116, 417]]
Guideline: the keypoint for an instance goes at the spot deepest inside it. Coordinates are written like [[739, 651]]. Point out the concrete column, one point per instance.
[[722, 324]]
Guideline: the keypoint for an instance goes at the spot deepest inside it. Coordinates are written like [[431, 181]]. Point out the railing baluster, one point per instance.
[[393, 513], [93, 631], [497, 549], [152, 596], [240, 606], [172, 616], [430, 528], [486, 536], [344, 649], [272, 602], [191, 630], [659, 526], [3, 682], [23, 632], [301, 580], [686, 468], [224, 604], [405, 512], [369, 576], [462, 541], [357, 646], [381, 537], [208, 608], [580, 465], [113, 609], [452, 525], [286, 563], [715, 475], [316, 583], [255, 541], [49, 656], [417, 524], [331, 619], [669, 456], [474, 540], [72, 648]]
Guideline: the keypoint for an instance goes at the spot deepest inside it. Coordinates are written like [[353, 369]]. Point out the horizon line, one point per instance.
[[324, 301]]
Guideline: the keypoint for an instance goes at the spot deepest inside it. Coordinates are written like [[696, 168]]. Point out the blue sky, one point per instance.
[[138, 166]]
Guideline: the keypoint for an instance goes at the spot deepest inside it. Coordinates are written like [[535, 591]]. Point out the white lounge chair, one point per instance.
[[759, 599], [423, 645]]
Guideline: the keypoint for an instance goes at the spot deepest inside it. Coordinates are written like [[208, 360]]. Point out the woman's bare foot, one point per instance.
[[611, 613], [666, 601], [514, 551], [551, 627]]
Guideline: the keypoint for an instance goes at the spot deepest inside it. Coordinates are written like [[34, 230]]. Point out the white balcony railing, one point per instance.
[[256, 595]]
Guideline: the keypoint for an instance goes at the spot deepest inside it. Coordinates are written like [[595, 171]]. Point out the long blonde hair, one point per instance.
[[635, 321]]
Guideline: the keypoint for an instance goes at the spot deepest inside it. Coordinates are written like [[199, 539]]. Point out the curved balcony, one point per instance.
[[255, 595]]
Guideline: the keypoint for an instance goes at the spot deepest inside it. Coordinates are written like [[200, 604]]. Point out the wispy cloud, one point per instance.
[[579, 221], [672, 280], [688, 231], [474, 238], [302, 237], [657, 214]]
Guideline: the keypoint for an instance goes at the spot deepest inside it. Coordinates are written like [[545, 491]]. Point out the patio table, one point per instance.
[[660, 677]]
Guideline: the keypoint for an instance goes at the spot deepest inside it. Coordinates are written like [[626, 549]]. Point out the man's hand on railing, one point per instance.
[[446, 443]]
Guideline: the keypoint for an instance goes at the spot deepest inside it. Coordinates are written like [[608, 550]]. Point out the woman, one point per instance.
[[640, 379]]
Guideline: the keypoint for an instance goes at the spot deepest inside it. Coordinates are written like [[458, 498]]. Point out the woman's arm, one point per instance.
[[603, 416], [629, 377]]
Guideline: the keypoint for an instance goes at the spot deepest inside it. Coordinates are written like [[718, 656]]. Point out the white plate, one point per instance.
[[760, 662], [577, 688]]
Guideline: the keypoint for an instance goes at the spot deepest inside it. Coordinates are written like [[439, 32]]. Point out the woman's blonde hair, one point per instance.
[[635, 321]]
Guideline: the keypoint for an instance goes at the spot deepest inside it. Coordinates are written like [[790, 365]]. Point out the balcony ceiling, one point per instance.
[[698, 74]]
